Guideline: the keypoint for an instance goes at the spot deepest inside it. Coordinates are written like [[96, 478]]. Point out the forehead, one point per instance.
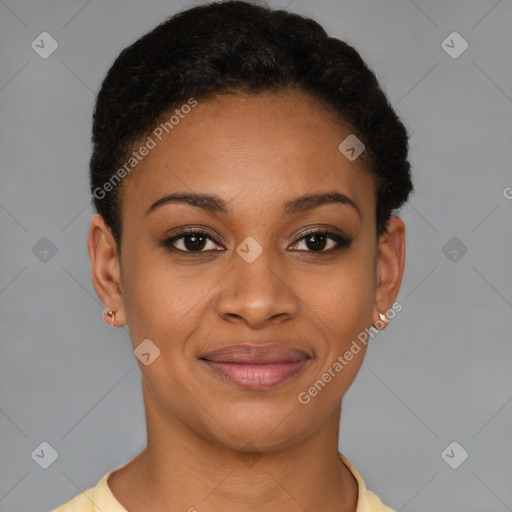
[[252, 150]]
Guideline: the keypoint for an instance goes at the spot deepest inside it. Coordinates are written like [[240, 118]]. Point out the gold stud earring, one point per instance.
[[112, 314]]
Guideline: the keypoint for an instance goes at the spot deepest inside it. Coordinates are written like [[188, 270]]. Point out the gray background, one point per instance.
[[441, 372]]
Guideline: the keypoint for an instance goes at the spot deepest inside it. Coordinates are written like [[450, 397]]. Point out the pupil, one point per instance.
[[198, 244], [317, 245]]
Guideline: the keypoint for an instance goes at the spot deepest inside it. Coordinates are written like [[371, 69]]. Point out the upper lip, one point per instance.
[[251, 353]]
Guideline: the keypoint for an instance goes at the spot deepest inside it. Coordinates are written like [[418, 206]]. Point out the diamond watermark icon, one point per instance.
[[44, 249], [454, 249], [454, 455], [249, 249], [44, 45], [146, 352], [45, 455], [249, 458], [351, 147], [454, 45]]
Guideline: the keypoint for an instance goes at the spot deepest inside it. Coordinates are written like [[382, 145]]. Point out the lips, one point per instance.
[[257, 367], [257, 354]]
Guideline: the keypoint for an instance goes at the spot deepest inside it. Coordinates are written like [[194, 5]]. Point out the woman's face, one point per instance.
[[257, 275]]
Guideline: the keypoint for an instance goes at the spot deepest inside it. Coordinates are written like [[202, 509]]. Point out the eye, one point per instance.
[[190, 241], [316, 241]]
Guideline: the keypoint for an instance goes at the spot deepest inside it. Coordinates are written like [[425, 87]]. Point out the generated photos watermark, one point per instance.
[[304, 397], [150, 143]]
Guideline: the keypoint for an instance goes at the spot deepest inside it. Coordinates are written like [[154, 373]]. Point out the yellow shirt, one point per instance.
[[101, 499]]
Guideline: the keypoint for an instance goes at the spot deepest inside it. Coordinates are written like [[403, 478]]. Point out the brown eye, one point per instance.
[[190, 241], [317, 241]]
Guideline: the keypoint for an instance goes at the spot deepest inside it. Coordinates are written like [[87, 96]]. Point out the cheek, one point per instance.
[[154, 298], [340, 309], [163, 302], [341, 299]]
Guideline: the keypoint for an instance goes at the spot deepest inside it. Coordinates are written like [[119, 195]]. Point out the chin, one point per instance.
[[264, 427]]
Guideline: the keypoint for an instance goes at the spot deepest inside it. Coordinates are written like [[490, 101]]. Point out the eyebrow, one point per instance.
[[215, 204]]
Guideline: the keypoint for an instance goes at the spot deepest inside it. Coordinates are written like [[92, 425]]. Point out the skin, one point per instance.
[[255, 152]]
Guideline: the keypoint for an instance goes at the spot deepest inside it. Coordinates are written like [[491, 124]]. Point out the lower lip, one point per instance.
[[257, 376]]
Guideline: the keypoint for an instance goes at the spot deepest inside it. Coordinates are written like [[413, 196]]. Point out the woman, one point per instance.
[[246, 169]]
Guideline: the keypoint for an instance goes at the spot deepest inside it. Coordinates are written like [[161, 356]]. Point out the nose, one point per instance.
[[257, 293]]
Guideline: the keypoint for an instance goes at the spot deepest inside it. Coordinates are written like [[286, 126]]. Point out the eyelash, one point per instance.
[[343, 242]]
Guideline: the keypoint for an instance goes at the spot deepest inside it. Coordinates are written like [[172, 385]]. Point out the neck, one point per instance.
[[180, 469]]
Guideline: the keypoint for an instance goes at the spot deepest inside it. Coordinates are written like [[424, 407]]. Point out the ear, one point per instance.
[[106, 269], [390, 268]]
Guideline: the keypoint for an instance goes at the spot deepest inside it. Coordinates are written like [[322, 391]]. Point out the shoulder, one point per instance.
[[367, 501], [83, 502], [96, 499], [374, 504]]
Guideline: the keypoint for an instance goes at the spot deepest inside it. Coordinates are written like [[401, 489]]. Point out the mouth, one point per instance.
[[257, 366]]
